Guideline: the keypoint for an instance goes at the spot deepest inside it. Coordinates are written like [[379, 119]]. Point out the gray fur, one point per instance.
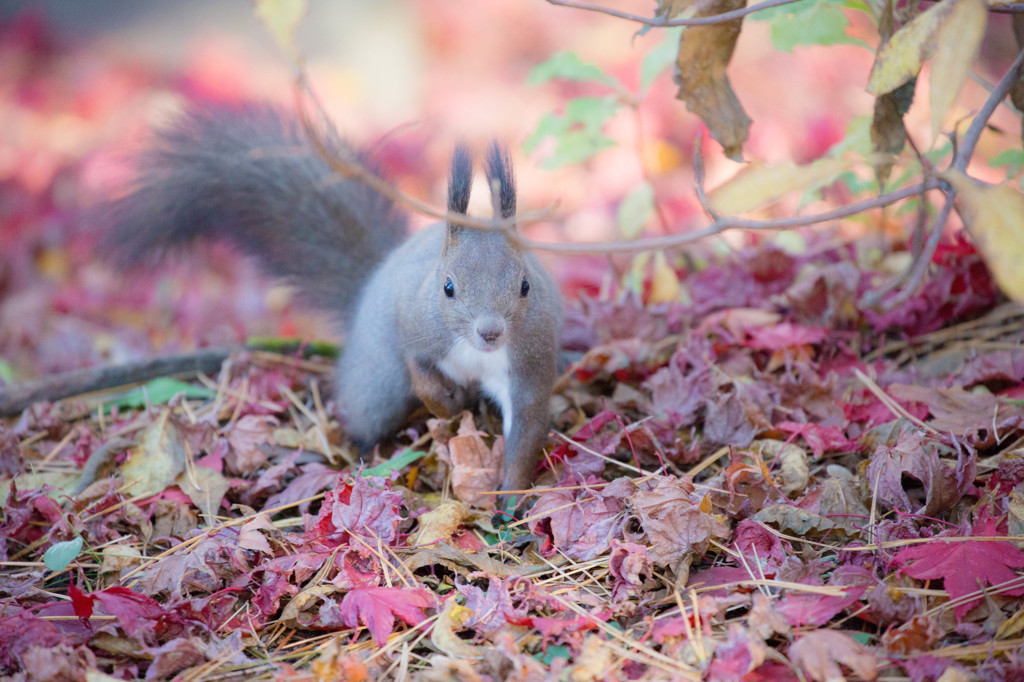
[[249, 177]]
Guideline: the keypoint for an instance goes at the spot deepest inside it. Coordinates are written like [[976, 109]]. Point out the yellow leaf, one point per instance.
[[157, 459], [757, 185], [900, 59], [956, 45], [995, 217], [281, 17], [440, 524], [664, 282]]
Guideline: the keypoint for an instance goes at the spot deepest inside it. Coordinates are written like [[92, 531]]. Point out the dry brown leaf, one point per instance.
[[440, 524], [820, 652], [443, 633], [704, 54], [888, 132], [157, 459], [251, 537], [206, 488], [246, 436], [901, 58], [996, 220], [476, 468], [757, 185], [794, 519], [596, 659], [306, 599], [956, 46], [793, 474], [117, 558]]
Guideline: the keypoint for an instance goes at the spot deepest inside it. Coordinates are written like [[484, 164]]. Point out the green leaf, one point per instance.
[[159, 391], [6, 372], [568, 66], [1013, 159], [553, 652], [575, 147], [577, 131], [636, 209], [60, 554], [397, 462], [590, 112], [863, 638], [282, 17], [662, 56], [809, 22]]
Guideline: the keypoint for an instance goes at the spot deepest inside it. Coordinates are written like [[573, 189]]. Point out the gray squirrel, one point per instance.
[[435, 318]]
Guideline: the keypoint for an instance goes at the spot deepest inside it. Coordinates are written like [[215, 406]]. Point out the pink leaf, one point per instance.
[[377, 607]]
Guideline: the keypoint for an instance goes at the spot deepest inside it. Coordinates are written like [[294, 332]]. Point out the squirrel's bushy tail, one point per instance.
[[249, 176]]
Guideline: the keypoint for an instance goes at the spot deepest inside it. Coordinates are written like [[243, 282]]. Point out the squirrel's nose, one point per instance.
[[490, 330]]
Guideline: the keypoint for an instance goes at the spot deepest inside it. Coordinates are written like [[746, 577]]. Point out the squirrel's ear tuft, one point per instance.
[[501, 179], [460, 179]]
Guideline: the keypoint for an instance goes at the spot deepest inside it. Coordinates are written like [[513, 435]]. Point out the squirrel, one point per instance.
[[433, 318]]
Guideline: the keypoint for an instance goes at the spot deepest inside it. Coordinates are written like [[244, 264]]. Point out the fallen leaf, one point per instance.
[[377, 608], [206, 488], [440, 524], [964, 567], [157, 459], [820, 652]]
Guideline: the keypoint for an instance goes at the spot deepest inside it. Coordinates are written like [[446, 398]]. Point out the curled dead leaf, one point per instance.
[[439, 524], [704, 54], [793, 473], [304, 602], [443, 633]]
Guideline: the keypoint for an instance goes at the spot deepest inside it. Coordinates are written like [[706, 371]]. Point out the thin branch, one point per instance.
[[349, 168], [961, 158], [664, 22], [730, 223], [998, 94]]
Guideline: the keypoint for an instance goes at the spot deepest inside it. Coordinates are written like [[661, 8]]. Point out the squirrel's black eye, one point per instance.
[[449, 288], [524, 288]]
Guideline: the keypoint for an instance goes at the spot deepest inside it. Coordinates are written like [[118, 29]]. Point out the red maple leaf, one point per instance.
[[965, 566], [377, 607]]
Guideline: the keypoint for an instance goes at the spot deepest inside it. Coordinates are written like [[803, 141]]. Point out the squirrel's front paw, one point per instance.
[[438, 393]]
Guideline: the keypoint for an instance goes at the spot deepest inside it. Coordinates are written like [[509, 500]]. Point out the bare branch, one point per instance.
[[911, 279], [663, 22], [998, 94], [350, 168], [731, 223]]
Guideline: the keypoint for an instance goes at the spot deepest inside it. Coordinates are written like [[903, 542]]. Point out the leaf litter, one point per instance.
[[764, 480]]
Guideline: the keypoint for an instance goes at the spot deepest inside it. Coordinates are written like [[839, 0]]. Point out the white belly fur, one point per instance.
[[464, 365]]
